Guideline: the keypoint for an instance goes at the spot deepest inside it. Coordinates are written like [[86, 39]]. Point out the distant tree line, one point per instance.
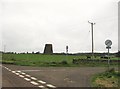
[[77, 54], [20, 53]]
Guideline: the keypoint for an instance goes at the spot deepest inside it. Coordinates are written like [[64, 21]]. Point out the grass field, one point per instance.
[[36, 59], [44, 60]]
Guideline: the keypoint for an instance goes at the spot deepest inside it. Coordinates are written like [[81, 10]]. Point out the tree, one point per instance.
[[33, 52]]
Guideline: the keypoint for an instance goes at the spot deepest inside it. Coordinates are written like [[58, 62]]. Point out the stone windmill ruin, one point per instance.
[[48, 49]]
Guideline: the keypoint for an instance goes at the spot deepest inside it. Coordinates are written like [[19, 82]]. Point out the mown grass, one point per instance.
[[109, 78], [46, 60]]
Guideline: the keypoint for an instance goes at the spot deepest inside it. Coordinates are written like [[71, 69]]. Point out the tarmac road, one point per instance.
[[11, 80], [48, 77]]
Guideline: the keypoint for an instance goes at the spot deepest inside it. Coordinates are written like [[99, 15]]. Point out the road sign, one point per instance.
[[66, 49], [108, 43], [108, 47]]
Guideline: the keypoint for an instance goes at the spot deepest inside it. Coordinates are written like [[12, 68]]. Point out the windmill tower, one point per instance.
[[48, 49]]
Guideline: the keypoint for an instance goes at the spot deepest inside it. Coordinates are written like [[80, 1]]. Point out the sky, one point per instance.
[[27, 25]]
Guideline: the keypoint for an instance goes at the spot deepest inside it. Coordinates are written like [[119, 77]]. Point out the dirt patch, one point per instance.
[[106, 83], [107, 79]]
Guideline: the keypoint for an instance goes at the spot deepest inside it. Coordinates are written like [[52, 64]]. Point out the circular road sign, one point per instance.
[[108, 42]]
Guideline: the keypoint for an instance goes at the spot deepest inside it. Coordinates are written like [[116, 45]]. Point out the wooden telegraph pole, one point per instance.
[[92, 38]]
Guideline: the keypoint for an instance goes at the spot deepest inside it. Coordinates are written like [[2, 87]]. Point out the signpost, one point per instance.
[[66, 49], [108, 44], [66, 52]]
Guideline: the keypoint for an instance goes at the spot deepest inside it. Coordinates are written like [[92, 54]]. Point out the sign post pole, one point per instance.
[[108, 59], [108, 44], [66, 52]]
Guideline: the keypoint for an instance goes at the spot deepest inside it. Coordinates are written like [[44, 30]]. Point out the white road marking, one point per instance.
[[13, 72], [4, 67], [40, 81], [9, 70], [41, 86], [21, 76], [27, 75], [17, 73], [23, 73], [33, 78], [27, 79], [34, 83], [51, 86]]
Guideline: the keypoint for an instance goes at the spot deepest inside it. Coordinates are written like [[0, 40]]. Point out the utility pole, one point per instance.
[[92, 38]]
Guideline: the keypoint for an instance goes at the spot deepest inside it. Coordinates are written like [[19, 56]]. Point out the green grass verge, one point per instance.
[[47, 60], [107, 79]]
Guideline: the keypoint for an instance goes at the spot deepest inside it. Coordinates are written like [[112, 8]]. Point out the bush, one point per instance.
[[13, 59], [118, 54], [112, 70], [64, 62]]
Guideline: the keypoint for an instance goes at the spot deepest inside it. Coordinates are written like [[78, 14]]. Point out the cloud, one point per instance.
[[27, 25]]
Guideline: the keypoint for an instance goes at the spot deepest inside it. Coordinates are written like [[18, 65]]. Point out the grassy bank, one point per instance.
[[107, 79]]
